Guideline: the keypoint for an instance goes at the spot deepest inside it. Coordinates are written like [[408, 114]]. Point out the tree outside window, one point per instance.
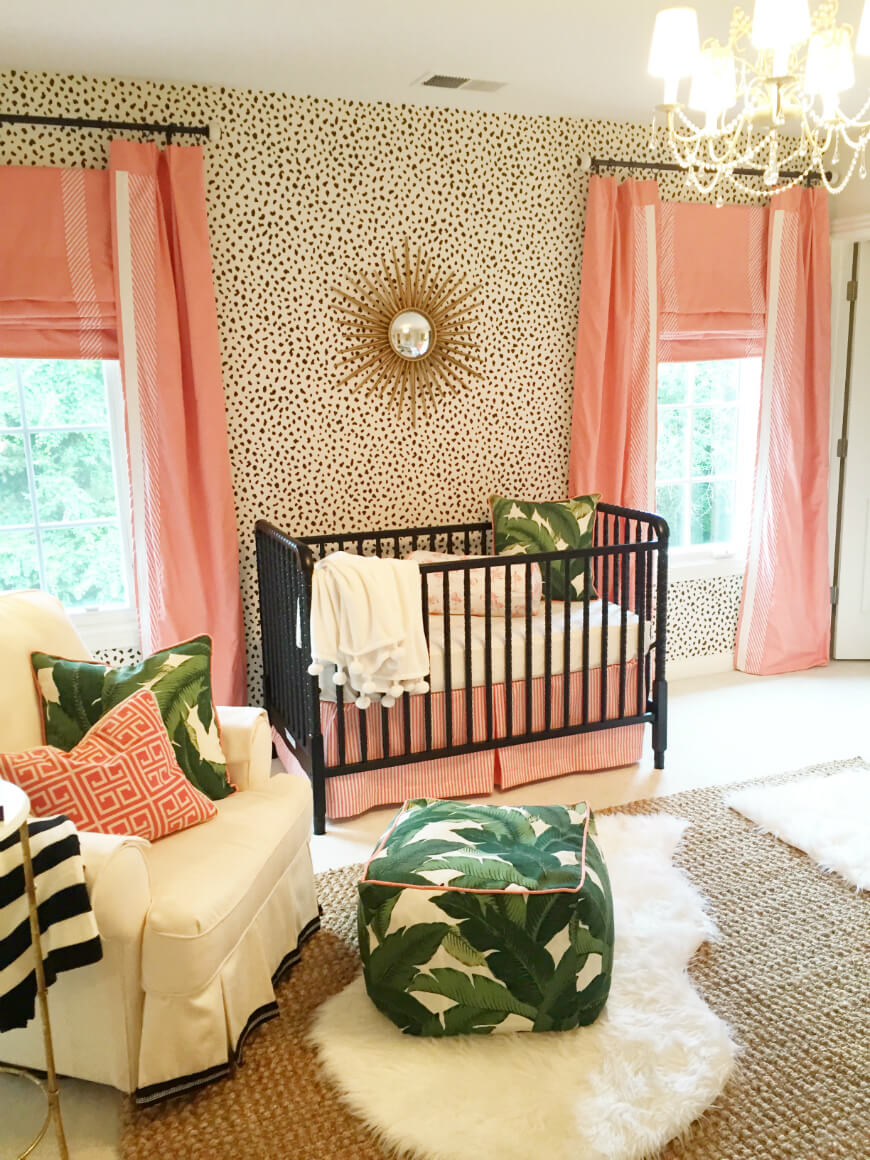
[[705, 450], [62, 471]]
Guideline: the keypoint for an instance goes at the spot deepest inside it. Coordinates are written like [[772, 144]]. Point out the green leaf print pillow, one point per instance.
[[75, 694], [523, 528]]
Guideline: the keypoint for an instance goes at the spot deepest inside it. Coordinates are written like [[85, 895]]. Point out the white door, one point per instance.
[[852, 616]]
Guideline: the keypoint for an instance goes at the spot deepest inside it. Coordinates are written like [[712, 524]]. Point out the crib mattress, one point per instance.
[[456, 634]]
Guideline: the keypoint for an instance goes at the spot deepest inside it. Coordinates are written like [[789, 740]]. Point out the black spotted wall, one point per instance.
[[302, 194]]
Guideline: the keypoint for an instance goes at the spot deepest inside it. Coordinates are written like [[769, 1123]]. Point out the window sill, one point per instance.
[[688, 565], [115, 628]]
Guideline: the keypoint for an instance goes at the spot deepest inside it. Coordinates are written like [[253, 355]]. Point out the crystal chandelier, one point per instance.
[[769, 97]]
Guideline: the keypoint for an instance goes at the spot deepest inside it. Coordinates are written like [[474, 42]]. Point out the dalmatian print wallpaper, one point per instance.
[[306, 193]]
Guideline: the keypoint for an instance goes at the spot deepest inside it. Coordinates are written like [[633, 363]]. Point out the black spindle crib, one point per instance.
[[622, 635]]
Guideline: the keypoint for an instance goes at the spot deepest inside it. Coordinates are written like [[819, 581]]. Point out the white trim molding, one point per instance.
[[856, 229]]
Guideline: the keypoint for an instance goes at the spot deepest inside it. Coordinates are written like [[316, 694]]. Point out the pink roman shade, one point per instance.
[[57, 296], [712, 265]]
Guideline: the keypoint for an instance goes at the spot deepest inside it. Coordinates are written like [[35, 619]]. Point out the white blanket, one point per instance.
[[367, 620]]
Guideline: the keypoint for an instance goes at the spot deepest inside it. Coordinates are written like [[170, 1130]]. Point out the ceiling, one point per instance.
[[560, 57]]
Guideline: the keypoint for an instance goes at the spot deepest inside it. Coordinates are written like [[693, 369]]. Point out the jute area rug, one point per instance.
[[790, 974]]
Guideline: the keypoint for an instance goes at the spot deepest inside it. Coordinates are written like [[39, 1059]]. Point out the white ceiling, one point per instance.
[[562, 57], [558, 57]]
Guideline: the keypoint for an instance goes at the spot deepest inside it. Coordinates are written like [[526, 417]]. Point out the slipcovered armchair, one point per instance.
[[196, 928]]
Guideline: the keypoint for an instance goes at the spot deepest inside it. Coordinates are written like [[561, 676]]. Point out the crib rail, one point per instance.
[[627, 564]]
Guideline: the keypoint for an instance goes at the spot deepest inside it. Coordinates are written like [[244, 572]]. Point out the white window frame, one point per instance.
[[703, 561], [110, 627]]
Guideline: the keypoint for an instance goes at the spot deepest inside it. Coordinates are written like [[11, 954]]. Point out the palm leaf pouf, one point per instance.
[[477, 918]]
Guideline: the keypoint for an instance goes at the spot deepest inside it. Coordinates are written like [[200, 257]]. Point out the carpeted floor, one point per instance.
[[791, 975]]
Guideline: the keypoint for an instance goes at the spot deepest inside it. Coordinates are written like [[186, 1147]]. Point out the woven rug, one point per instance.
[[789, 975]]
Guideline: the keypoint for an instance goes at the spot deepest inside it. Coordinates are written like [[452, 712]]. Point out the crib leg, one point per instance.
[[660, 722], [319, 786]]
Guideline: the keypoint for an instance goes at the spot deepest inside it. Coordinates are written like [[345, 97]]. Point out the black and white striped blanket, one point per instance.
[[68, 930]]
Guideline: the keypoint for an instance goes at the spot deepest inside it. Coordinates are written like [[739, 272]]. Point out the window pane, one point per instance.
[[64, 392], [83, 566], [673, 382], [10, 412], [671, 443], [670, 503], [714, 440], [73, 474], [19, 565], [716, 382], [14, 494], [713, 512]]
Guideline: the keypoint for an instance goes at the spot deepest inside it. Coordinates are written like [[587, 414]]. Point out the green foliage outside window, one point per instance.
[[73, 480], [697, 450]]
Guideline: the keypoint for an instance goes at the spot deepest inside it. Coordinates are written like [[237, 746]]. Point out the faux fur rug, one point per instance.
[[788, 974], [826, 817], [616, 1090]]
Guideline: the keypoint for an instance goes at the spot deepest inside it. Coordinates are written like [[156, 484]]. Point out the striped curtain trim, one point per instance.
[[136, 216]]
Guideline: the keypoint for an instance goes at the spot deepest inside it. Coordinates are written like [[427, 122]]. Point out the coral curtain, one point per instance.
[[188, 573], [676, 282], [57, 295], [613, 429], [785, 614]]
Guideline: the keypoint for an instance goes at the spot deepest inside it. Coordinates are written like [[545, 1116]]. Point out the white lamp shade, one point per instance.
[[862, 42], [829, 62], [779, 24], [714, 85], [675, 43]]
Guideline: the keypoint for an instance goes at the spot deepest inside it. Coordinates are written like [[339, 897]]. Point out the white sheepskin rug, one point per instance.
[[617, 1090], [826, 817]]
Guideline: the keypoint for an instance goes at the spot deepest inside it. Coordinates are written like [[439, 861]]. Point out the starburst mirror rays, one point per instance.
[[408, 332]]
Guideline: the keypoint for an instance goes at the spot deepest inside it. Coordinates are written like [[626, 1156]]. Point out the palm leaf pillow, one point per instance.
[[75, 694], [523, 528]]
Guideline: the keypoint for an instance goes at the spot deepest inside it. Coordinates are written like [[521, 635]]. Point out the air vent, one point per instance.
[[484, 86], [441, 81]]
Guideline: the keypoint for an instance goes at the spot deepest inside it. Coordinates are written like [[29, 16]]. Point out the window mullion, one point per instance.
[[31, 478]]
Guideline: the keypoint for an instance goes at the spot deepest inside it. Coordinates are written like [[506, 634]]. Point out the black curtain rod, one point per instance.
[[171, 130], [671, 167]]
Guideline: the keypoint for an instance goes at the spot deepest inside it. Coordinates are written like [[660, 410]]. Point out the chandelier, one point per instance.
[[768, 99]]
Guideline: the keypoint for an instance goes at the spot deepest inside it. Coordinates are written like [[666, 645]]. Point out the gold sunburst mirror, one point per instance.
[[409, 334]]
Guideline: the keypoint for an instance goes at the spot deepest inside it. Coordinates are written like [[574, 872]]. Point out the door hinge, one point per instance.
[[852, 291], [835, 594], [842, 448]]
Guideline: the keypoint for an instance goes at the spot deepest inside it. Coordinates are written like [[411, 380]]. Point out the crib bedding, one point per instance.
[[498, 630]]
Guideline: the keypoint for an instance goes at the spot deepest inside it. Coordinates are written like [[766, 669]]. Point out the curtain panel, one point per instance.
[[116, 264], [679, 282], [785, 611], [613, 429]]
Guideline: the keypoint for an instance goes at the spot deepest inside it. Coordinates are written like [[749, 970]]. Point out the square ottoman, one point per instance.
[[480, 918]]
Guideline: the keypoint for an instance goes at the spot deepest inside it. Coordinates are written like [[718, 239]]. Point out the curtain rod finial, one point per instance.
[[214, 132], [585, 162]]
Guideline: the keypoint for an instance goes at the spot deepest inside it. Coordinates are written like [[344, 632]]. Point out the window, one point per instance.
[[64, 525], [707, 417]]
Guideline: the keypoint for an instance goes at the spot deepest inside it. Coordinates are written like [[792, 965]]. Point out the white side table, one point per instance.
[[14, 808]]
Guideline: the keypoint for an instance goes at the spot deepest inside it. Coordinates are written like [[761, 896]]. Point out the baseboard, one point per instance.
[[684, 667]]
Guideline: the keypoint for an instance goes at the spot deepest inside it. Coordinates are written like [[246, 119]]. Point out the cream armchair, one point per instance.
[[196, 928]]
